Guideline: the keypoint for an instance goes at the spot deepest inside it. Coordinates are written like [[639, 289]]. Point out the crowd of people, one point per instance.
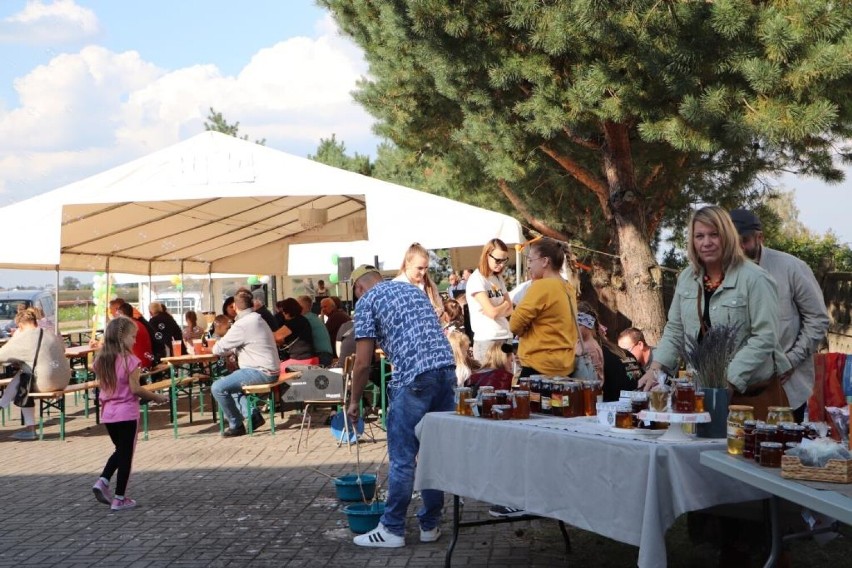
[[477, 332]]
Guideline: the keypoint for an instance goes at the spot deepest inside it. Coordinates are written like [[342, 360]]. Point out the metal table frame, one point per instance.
[[827, 502]]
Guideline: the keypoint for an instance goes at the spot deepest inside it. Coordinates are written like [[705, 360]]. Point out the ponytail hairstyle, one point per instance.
[[29, 315], [114, 346], [415, 250]]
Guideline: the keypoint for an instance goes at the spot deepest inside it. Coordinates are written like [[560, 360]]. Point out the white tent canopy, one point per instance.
[[214, 203]]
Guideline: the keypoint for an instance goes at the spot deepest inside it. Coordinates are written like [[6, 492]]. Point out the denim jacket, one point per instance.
[[748, 297]]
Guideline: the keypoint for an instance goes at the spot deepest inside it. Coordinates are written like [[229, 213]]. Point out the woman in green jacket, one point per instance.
[[719, 287]]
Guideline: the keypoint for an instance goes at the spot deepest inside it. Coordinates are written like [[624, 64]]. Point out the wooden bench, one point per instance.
[[179, 385], [256, 394], [56, 399]]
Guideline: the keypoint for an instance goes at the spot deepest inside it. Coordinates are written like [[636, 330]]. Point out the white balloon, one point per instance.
[[264, 279]]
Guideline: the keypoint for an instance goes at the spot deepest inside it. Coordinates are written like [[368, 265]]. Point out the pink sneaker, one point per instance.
[[122, 504], [101, 491]]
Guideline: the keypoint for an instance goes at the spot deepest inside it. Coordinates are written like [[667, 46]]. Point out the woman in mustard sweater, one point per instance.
[[544, 319]]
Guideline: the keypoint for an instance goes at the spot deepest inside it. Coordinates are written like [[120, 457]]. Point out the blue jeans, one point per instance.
[[431, 391], [228, 392]]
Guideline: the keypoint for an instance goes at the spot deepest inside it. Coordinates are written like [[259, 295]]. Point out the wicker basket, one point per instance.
[[836, 471]]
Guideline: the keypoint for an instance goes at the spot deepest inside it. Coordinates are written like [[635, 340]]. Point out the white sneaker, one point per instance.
[[380, 537], [430, 536]]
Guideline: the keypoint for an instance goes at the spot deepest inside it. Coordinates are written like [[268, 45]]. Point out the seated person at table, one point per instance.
[[295, 337], [166, 329], [252, 342], [260, 308], [319, 333], [496, 370], [191, 330], [51, 371], [142, 347]]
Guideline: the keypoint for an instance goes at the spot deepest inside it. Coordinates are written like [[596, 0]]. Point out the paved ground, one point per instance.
[[208, 501]]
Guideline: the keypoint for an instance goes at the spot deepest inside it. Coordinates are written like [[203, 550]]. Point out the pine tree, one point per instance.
[[629, 111], [217, 123]]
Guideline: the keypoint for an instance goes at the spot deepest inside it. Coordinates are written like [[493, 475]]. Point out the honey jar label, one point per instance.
[[735, 430]]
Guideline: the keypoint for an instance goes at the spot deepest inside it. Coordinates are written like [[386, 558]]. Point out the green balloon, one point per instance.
[[253, 280], [333, 278], [334, 259]]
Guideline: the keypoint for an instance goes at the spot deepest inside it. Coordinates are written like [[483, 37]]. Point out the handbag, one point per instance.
[[27, 381], [584, 369]]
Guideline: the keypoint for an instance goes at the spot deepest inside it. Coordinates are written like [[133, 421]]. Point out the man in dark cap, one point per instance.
[[803, 317]]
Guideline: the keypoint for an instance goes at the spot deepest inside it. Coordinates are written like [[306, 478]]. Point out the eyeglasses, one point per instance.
[[499, 260]]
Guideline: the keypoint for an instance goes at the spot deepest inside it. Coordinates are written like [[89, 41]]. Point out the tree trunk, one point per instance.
[[640, 292]]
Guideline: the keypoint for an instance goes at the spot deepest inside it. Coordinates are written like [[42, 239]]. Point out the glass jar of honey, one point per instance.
[[502, 396], [699, 401], [748, 437], [623, 417], [473, 406], [791, 433], [737, 415], [556, 395], [779, 414], [684, 397], [522, 404], [546, 391], [501, 412], [590, 402], [535, 393], [461, 394], [574, 395], [524, 384], [763, 433], [770, 454], [488, 399]]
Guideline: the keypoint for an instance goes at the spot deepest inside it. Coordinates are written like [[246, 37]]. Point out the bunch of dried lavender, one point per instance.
[[710, 357]]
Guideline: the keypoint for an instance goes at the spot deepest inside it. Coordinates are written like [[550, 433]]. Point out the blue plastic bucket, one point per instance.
[[362, 517], [349, 486]]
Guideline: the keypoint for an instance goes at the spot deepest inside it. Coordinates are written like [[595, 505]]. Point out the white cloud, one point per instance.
[[87, 111], [41, 23]]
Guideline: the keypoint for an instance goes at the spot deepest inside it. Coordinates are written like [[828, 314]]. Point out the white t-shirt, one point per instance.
[[484, 328]]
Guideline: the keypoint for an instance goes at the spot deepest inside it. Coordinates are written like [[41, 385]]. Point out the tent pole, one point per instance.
[[108, 294], [180, 310], [210, 288], [150, 288], [56, 303], [519, 267]]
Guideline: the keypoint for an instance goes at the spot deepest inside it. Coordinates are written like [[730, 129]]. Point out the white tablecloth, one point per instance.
[[575, 470]]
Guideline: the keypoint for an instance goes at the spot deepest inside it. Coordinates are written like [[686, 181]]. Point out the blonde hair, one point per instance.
[[114, 347], [415, 250], [465, 363], [718, 218], [495, 358]]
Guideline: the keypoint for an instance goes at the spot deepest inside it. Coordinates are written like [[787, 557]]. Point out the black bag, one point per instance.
[[28, 380]]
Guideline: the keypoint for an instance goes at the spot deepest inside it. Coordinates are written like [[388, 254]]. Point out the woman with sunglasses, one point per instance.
[[488, 299]]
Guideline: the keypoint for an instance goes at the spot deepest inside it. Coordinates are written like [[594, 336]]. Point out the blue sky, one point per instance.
[[86, 85]]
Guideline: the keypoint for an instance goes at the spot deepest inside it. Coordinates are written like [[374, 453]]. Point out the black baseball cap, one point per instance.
[[745, 221]]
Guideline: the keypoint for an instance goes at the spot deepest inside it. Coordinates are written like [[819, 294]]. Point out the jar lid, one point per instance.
[[521, 393], [795, 427], [740, 407], [461, 389], [750, 422], [486, 388], [771, 445], [489, 395], [501, 391], [770, 427], [780, 409], [470, 401]]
